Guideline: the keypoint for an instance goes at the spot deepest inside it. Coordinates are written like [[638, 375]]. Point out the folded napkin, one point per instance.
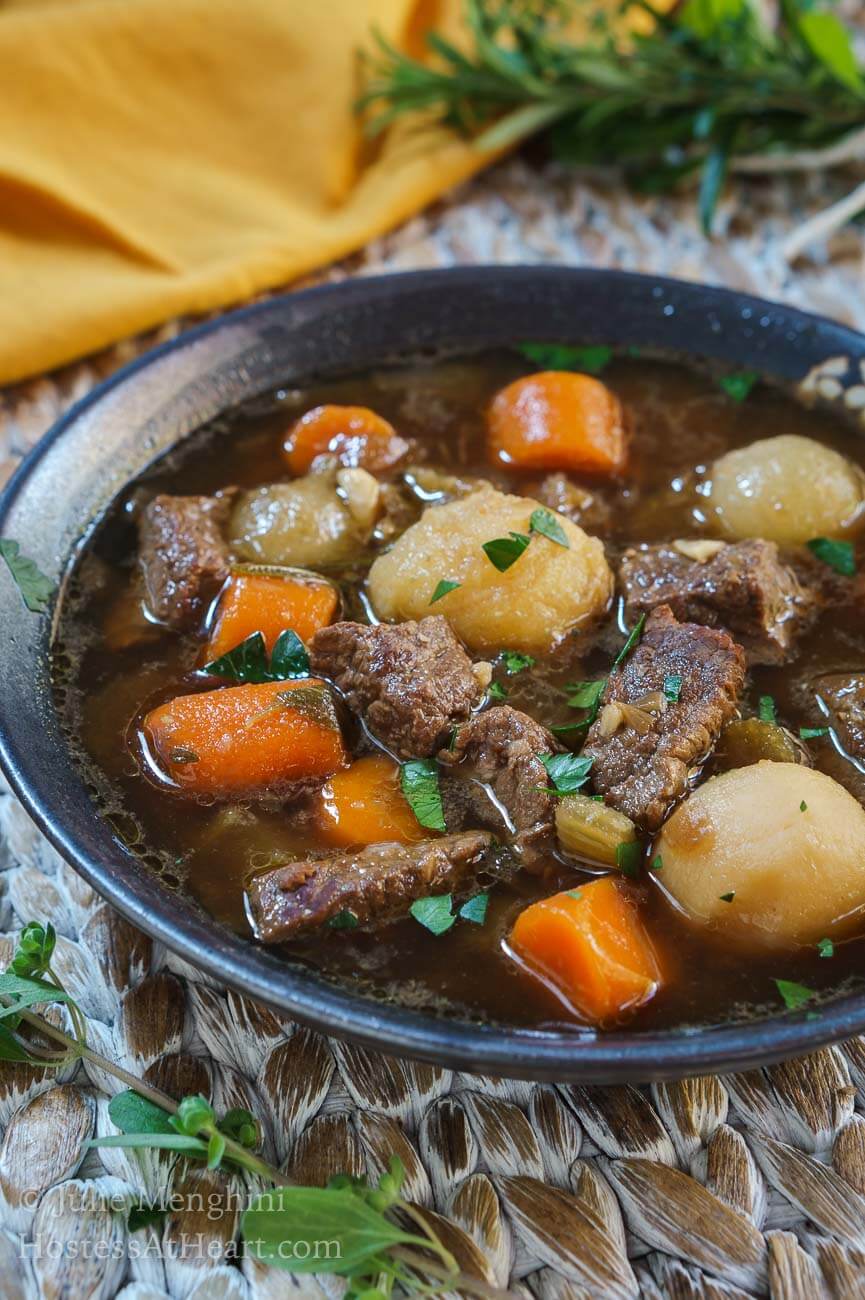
[[164, 157]]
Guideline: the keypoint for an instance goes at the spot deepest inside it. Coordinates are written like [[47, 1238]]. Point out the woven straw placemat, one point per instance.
[[745, 1185]]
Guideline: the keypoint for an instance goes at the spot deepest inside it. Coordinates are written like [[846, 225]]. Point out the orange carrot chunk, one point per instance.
[[365, 805], [354, 434], [557, 420], [590, 944], [269, 603], [248, 740]]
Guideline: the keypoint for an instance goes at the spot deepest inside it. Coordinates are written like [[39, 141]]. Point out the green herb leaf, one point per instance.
[[26, 992], [497, 692], [803, 807], [133, 1114], [738, 385], [475, 909], [585, 695], [727, 898], [193, 1114], [672, 687], [241, 1126], [36, 590], [812, 733], [633, 639], [657, 862], [344, 920], [215, 1150], [442, 589], [515, 662], [247, 662], [576, 894], [34, 950], [628, 858], [567, 772], [560, 356], [289, 660], [839, 556], [545, 522], [435, 913], [419, 779], [502, 552], [766, 710], [826, 947], [794, 995]]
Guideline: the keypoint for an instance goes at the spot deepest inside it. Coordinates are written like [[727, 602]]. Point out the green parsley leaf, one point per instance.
[[628, 858], [812, 733], [502, 552], [657, 862], [497, 692], [36, 590], [839, 556], [727, 898], [826, 947], [633, 638], [475, 909], [794, 995], [559, 356], [515, 662], [435, 913], [585, 695], [419, 779], [574, 893], [567, 772], [545, 522], [766, 709], [442, 589], [247, 662], [803, 807], [738, 385], [344, 920], [672, 687]]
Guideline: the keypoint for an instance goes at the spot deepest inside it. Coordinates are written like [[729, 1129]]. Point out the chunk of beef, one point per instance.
[[844, 697], [183, 556], [643, 772], [743, 587], [500, 748], [583, 507], [376, 883], [412, 681]]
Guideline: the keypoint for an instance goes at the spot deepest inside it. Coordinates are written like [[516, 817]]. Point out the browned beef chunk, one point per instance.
[[376, 883], [744, 588], [183, 556], [412, 681], [844, 696], [501, 748], [642, 772]]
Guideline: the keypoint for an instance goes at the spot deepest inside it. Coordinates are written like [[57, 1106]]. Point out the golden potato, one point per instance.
[[305, 523], [787, 841], [529, 607], [787, 489]]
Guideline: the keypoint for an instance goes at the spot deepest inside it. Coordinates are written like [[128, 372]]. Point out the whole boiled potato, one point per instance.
[[529, 607], [787, 489], [305, 523], [787, 841]]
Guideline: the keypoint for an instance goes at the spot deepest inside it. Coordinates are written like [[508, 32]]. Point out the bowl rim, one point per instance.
[[240, 964]]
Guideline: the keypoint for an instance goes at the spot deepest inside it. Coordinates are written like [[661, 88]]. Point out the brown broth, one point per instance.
[[680, 422]]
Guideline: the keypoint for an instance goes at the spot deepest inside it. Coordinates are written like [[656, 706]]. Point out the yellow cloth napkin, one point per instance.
[[163, 157]]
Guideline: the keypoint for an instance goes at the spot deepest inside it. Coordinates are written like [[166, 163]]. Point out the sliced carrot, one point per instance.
[[557, 420], [365, 805], [269, 603], [247, 740], [355, 435], [590, 944]]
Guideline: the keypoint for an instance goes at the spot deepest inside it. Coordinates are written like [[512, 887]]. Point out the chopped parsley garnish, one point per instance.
[[766, 710], [794, 995], [657, 862], [515, 662], [574, 893], [442, 589], [628, 858], [475, 909], [419, 780], [812, 733], [672, 687], [727, 898], [545, 522], [840, 556], [826, 947], [560, 356], [344, 920], [585, 695], [738, 385], [633, 638], [247, 662], [497, 692], [434, 913], [36, 590], [803, 807], [502, 552], [567, 772]]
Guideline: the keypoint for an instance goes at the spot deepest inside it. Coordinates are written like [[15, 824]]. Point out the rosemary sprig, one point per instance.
[[373, 1237], [708, 87]]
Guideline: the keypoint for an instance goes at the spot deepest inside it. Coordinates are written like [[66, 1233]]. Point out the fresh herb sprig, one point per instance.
[[708, 88], [248, 662], [376, 1239]]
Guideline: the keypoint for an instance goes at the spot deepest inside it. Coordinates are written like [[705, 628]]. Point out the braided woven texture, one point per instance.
[[744, 1185]]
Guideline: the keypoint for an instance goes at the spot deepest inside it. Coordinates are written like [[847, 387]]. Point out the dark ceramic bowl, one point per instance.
[[69, 480]]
